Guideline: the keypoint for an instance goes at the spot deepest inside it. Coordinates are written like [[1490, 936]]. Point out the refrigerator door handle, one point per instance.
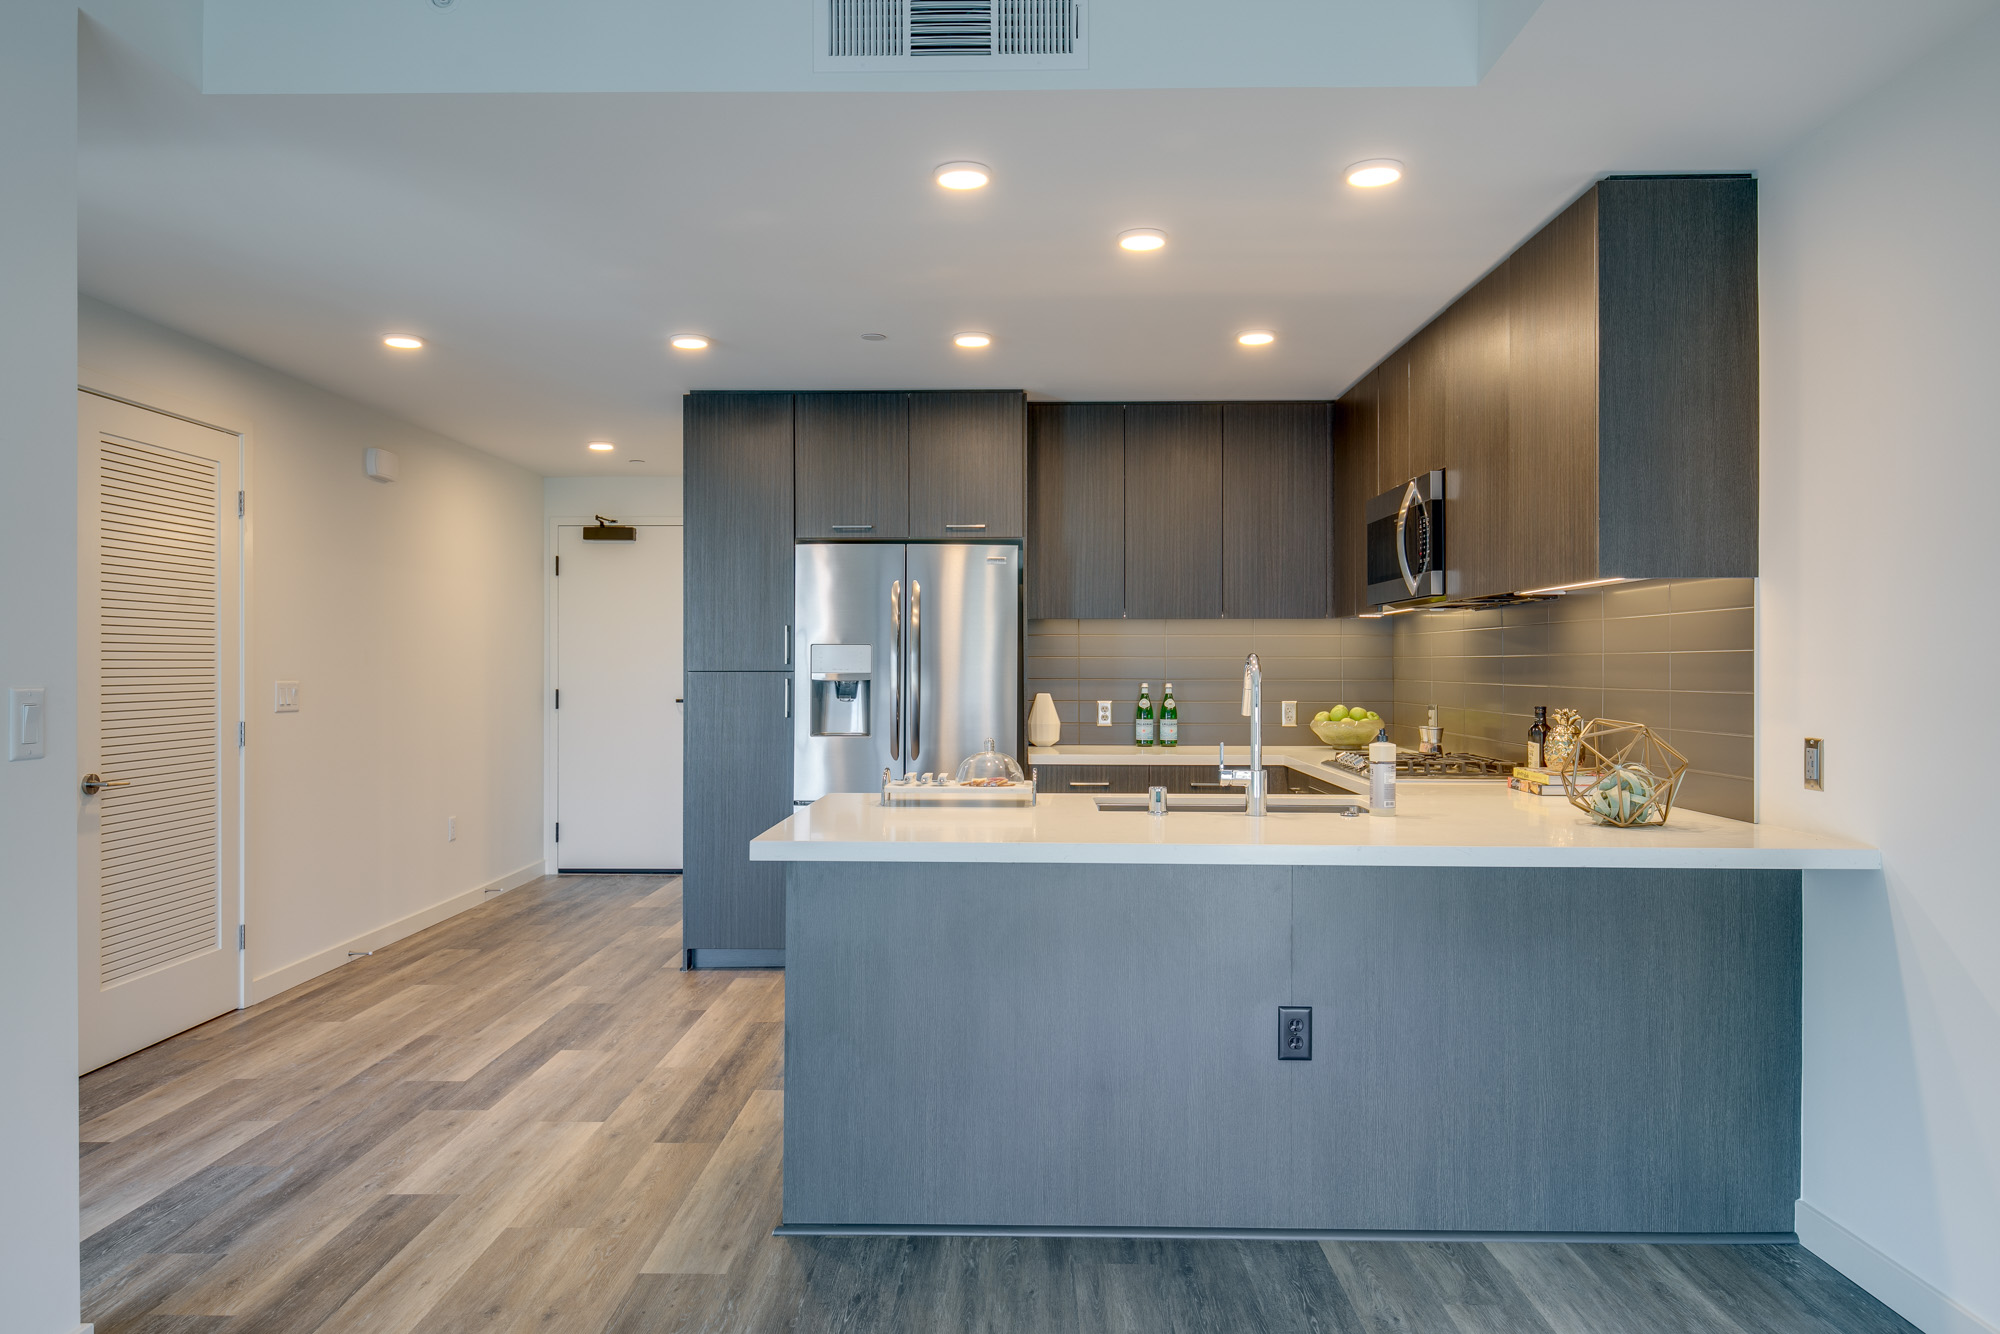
[[896, 668], [916, 670]]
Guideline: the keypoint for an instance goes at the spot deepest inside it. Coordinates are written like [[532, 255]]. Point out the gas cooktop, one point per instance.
[[1410, 764]]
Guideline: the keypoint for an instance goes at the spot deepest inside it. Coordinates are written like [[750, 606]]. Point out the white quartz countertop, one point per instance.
[[1436, 824]]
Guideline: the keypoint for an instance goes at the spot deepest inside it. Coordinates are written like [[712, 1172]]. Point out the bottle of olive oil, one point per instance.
[[1142, 724], [1538, 736], [1170, 718]]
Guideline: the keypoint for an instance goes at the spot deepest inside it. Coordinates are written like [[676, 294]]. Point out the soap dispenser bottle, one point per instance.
[[1382, 774]]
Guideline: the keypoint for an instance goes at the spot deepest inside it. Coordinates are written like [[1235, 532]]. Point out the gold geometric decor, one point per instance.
[[1625, 775]]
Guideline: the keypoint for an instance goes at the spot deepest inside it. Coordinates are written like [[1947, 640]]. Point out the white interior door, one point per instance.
[[159, 896], [618, 716]]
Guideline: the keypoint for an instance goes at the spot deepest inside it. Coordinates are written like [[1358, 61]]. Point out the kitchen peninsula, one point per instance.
[[1053, 1018]]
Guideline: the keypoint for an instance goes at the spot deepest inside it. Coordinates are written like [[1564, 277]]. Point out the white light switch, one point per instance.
[[1290, 708], [27, 722], [286, 698], [1104, 713]]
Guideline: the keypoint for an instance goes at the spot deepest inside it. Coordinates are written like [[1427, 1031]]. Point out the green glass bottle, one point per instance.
[[1142, 723], [1170, 718]]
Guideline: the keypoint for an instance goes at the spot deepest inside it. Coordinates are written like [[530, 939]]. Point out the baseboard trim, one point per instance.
[[1927, 1307], [1280, 1234], [264, 987], [712, 958]]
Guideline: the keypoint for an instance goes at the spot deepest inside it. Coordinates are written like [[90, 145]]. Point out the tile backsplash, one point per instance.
[[1677, 655], [1317, 663]]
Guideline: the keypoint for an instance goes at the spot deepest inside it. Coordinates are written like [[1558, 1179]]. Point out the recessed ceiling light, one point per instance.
[[1256, 337], [973, 340], [962, 175], [1375, 171], [602, 446], [689, 342], [1142, 238], [403, 341]]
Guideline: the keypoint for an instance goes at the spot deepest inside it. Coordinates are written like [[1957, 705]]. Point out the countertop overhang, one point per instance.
[[1437, 824]]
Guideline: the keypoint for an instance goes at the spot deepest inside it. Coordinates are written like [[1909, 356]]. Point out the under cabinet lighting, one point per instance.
[[973, 340], [403, 341], [962, 175], [1256, 338], [689, 342], [601, 446], [1376, 171], [1564, 588], [1142, 238]]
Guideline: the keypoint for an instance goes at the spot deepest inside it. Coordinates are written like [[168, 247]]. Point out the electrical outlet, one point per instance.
[[1104, 713], [451, 829], [1815, 764], [1295, 1033], [1290, 710]]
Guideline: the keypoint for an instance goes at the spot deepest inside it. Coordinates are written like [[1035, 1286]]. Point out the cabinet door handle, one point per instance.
[[1194, 784], [1105, 783], [788, 697], [852, 527], [965, 527], [788, 646]]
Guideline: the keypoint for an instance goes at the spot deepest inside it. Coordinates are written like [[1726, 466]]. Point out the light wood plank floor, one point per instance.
[[526, 1118]]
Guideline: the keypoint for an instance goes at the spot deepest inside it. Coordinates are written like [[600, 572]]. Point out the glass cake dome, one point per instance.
[[990, 768]]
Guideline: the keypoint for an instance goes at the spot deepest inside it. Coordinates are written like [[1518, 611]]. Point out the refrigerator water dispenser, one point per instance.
[[841, 674]]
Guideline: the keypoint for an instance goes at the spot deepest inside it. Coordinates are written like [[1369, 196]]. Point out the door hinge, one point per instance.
[[242, 935], [242, 730], [559, 831], [239, 504]]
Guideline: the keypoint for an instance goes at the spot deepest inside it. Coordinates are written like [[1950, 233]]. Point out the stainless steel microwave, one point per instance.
[[1406, 542]]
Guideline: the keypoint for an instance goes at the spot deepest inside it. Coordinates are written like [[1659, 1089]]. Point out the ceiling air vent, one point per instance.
[[950, 35]]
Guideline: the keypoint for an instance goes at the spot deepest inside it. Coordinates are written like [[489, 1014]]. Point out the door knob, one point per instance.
[[92, 784]]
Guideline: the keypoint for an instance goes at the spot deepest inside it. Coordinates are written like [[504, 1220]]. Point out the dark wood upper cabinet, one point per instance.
[[1173, 510], [853, 467], [1277, 510], [968, 465], [1593, 400], [1075, 551], [1473, 451], [1355, 418], [737, 474]]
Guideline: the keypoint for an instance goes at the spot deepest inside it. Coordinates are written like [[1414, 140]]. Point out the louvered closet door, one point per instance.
[[157, 704]]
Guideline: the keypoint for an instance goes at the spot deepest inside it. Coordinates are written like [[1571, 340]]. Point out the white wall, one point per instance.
[[613, 497], [411, 615], [1881, 310], [38, 798]]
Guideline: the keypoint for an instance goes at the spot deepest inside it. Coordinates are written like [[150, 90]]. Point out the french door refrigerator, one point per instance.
[[908, 658]]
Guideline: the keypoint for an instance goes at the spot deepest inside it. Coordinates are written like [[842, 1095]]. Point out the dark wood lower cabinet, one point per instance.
[[738, 784]]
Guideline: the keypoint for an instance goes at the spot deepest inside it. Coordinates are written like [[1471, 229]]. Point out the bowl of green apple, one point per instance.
[[1345, 728]]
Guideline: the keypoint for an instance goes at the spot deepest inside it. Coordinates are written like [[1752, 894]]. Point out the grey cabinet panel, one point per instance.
[[739, 783], [737, 465], [1355, 416], [1569, 1050], [1075, 548], [968, 465], [1277, 510], [1392, 457], [945, 1061], [1677, 388], [1552, 401], [1477, 517], [1173, 510], [853, 467]]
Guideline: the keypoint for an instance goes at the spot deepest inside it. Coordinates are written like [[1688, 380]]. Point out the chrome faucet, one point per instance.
[[1253, 780]]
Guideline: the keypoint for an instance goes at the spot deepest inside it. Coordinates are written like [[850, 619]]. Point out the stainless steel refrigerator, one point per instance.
[[908, 658]]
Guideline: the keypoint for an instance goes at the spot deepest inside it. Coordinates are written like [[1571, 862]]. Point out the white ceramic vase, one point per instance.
[[1044, 727]]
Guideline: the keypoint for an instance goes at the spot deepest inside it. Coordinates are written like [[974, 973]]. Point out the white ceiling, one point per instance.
[[547, 244]]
